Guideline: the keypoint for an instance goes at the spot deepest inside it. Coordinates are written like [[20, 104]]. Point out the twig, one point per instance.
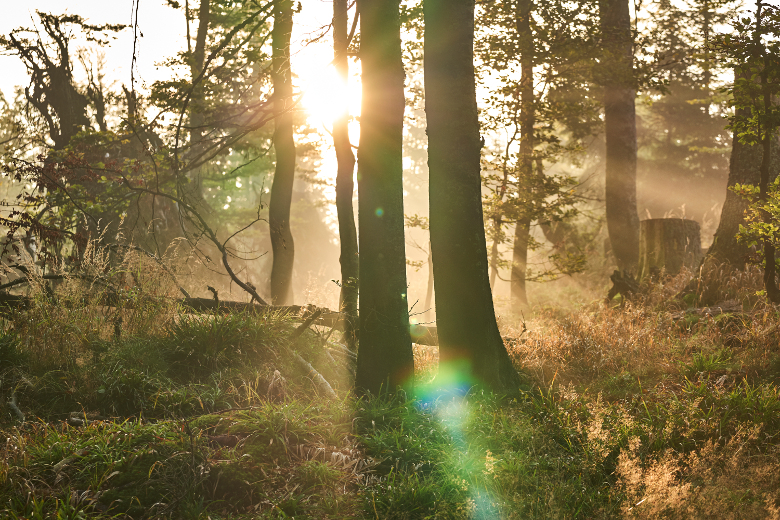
[[25, 279], [305, 325], [343, 350]]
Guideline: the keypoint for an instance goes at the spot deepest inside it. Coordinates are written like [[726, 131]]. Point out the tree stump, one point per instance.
[[668, 244]]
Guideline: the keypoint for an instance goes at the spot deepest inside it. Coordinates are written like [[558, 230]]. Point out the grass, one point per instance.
[[635, 413]]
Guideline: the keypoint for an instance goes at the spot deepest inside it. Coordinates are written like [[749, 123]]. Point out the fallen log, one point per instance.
[[421, 334], [320, 381]]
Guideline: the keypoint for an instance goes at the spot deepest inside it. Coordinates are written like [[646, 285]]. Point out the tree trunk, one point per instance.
[[192, 188], [498, 224], [668, 244], [196, 67], [766, 131], [284, 146], [744, 168], [344, 184], [428, 316], [517, 291], [525, 38], [385, 360], [620, 130], [471, 349]]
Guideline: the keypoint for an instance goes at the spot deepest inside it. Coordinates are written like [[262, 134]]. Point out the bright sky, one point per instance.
[[163, 29]]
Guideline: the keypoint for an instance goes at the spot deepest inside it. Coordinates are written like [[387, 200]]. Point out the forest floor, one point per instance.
[[637, 411]]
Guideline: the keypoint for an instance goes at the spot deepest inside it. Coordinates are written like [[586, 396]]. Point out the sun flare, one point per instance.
[[326, 95]]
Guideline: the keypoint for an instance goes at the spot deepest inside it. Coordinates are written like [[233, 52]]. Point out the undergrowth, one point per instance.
[[645, 410]]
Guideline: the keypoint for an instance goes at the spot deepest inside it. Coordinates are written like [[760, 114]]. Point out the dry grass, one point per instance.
[[67, 318], [648, 337], [684, 404], [640, 411]]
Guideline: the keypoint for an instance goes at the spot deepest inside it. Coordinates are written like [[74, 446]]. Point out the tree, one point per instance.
[[52, 91], [683, 143], [284, 144], [101, 176], [527, 122], [385, 359], [744, 169], [470, 345], [620, 130], [546, 112], [755, 123], [350, 263]]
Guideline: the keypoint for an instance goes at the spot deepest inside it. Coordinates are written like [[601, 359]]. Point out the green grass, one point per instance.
[[179, 423]]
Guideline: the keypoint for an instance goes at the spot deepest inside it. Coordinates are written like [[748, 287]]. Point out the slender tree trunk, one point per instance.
[[525, 38], [518, 293], [284, 146], [620, 129], [707, 72], [429, 290], [344, 184], [498, 224], [471, 349], [385, 360], [196, 67], [191, 185]]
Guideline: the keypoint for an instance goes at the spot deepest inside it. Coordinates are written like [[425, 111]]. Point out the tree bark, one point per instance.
[[385, 359], [428, 316], [744, 168], [284, 146], [470, 346], [668, 244], [196, 67], [525, 38], [620, 130], [498, 224], [517, 292], [344, 184], [766, 131]]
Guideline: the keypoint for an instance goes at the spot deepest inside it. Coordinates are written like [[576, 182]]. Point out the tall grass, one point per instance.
[[638, 411]]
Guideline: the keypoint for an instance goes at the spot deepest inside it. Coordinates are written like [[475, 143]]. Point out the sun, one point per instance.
[[325, 95]]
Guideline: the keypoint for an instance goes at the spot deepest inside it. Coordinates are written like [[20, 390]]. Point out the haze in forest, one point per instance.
[[664, 185], [390, 259]]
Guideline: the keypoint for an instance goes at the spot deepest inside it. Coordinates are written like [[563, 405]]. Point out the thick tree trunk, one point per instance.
[[344, 184], [471, 349], [620, 130], [770, 278], [744, 168], [385, 359], [284, 146], [517, 290], [668, 244], [525, 38]]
